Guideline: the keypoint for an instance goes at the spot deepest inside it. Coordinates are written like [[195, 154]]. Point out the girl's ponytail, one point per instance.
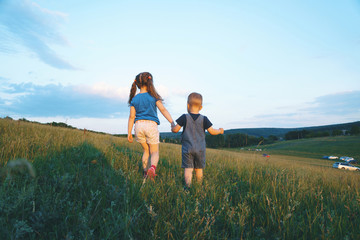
[[144, 79], [132, 91], [150, 86]]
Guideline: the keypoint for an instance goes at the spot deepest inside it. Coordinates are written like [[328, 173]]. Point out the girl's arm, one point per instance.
[[165, 113], [131, 123]]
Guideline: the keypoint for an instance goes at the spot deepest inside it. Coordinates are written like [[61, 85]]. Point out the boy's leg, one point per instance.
[[199, 174], [188, 176]]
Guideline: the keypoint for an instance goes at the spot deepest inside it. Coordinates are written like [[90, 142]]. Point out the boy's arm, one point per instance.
[[165, 112], [213, 131], [131, 123]]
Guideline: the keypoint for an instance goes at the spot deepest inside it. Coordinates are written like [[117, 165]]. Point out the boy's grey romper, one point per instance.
[[193, 143]]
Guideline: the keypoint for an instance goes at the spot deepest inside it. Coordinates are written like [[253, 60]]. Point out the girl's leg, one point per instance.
[[199, 174], [188, 172], [154, 158], [154, 154], [145, 156]]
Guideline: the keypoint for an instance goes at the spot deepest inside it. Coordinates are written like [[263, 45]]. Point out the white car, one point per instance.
[[344, 165], [346, 159], [333, 157]]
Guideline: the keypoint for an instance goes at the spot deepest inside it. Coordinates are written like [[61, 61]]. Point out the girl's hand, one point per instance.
[[130, 138]]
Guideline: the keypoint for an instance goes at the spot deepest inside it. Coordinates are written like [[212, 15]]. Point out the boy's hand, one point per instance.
[[213, 131], [130, 138], [176, 128]]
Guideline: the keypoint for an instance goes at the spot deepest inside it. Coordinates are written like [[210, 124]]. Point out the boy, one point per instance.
[[193, 138]]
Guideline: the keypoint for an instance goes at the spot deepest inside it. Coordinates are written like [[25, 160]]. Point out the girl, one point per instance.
[[143, 112]]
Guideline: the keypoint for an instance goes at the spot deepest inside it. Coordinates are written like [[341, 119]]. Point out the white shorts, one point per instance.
[[146, 131]]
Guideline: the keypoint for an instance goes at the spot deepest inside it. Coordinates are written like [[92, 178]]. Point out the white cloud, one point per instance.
[[180, 92], [163, 91], [3, 79], [49, 12], [30, 100], [104, 90], [344, 103], [24, 23], [329, 109]]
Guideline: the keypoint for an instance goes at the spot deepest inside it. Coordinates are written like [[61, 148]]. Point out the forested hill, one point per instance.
[[280, 132], [258, 132]]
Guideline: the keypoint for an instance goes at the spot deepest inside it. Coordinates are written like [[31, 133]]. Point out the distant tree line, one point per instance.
[[60, 124], [176, 140], [63, 125], [54, 124], [243, 140], [355, 130], [237, 140], [229, 140]]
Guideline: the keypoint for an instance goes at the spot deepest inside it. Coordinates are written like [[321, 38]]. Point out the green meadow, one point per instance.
[[89, 186], [318, 147]]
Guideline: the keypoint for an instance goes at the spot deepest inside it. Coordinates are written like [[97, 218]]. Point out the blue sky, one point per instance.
[[256, 63]]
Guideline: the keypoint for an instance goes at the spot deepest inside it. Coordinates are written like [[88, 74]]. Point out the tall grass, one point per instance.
[[89, 186]]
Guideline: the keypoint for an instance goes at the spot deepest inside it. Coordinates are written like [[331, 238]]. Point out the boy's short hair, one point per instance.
[[195, 99]]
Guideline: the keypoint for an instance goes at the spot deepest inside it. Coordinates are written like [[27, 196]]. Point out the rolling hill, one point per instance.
[[279, 132], [317, 147]]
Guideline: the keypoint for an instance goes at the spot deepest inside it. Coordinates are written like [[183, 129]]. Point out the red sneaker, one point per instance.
[[151, 173]]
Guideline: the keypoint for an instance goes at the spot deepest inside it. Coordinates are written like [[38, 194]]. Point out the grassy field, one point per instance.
[[317, 147], [89, 186]]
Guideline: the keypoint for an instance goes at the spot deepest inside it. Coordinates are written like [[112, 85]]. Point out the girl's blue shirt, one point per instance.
[[145, 107]]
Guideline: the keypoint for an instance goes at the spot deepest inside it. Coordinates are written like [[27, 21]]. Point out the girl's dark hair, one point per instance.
[[144, 79]]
